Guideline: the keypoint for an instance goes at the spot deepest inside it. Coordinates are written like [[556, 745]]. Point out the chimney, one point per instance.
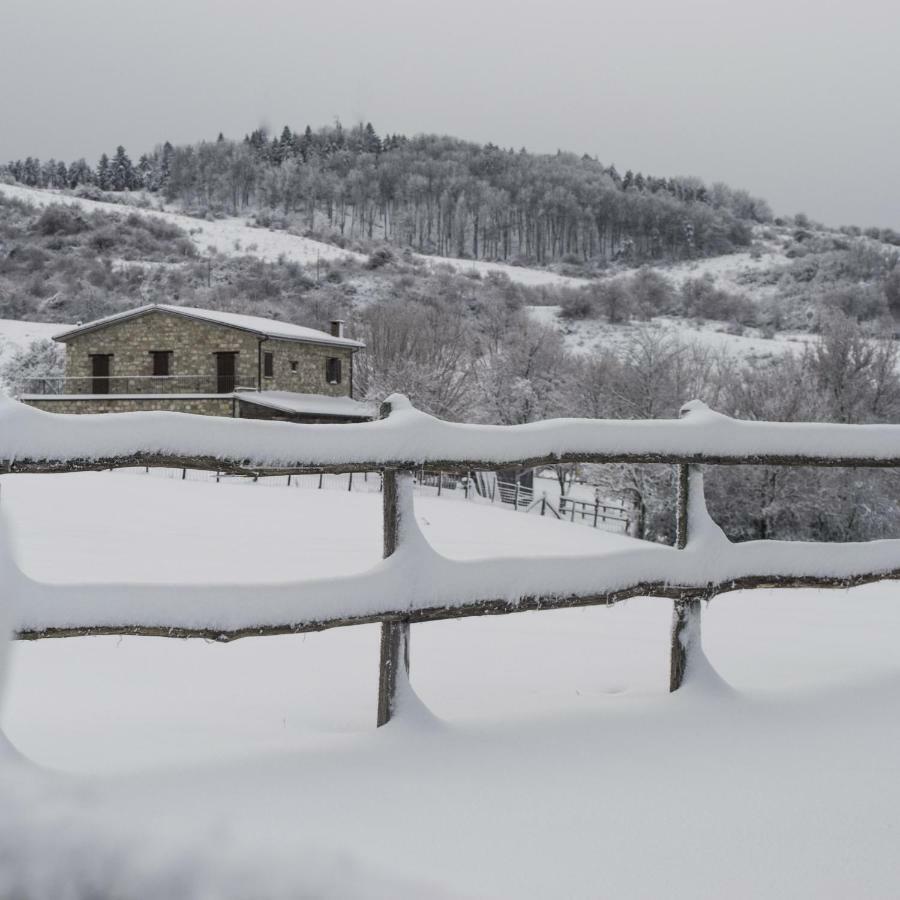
[[337, 327]]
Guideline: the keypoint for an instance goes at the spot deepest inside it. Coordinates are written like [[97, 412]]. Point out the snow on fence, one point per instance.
[[413, 583]]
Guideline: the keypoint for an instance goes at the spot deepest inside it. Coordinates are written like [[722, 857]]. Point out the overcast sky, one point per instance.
[[793, 99]]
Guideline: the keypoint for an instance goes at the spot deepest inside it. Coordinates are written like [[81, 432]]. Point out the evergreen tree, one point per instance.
[[307, 144], [146, 172], [31, 171], [122, 176], [165, 163], [80, 173], [103, 173], [288, 145], [371, 141]]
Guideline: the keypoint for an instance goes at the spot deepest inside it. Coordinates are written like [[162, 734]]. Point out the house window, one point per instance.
[[162, 364], [333, 370], [294, 365], [269, 365]]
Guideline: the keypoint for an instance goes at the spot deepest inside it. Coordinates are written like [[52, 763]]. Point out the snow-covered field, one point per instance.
[[234, 237], [589, 335], [555, 763]]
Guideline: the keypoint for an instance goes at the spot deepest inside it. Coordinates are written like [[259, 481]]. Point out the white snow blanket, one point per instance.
[[411, 436], [417, 577]]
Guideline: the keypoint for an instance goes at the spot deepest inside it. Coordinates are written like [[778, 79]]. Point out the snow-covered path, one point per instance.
[[558, 767]]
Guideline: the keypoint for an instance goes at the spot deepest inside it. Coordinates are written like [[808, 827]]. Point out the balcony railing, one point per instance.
[[134, 384]]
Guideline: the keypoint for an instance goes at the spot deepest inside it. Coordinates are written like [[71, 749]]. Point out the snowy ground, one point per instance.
[[234, 237], [588, 335], [557, 766]]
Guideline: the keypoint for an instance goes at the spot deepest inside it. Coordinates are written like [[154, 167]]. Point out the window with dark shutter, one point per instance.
[[269, 365], [333, 370], [161, 362]]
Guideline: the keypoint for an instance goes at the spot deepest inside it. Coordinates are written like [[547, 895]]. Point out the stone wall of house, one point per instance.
[[309, 375], [194, 344], [203, 406]]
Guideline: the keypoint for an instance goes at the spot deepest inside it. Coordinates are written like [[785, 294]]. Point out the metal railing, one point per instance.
[[414, 583], [132, 384]]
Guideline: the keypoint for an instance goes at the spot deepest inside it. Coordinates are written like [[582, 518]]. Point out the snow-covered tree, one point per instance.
[[40, 359], [121, 171]]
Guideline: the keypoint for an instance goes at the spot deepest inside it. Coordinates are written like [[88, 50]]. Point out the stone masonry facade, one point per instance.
[[192, 345], [298, 367], [203, 406]]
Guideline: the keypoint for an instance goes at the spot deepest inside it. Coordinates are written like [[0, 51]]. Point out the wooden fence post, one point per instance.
[[686, 610], [394, 632], [394, 659]]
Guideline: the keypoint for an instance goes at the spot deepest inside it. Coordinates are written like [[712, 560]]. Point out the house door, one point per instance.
[[100, 373], [225, 372]]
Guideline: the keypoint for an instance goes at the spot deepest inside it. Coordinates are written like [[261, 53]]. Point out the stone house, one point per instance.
[[201, 361]]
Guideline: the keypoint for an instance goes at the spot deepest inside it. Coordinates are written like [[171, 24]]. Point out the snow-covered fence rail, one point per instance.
[[414, 583]]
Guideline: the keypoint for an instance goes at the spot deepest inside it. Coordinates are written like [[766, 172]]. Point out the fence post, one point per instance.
[[183, 474], [596, 511], [394, 657], [440, 482], [321, 476], [516, 498], [350, 482], [544, 503], [466, 486], [686, 610], [572, 517]]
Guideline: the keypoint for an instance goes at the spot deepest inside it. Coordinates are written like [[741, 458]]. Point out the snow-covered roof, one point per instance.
[[309, 404], [271, 328]]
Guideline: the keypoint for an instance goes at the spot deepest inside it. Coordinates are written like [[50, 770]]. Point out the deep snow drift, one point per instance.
[[559, 766]]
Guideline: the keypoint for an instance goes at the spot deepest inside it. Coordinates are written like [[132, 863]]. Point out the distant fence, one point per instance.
[[467, 487], [415, 584]]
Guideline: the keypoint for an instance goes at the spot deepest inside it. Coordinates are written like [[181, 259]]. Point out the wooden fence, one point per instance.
[[694, 573]]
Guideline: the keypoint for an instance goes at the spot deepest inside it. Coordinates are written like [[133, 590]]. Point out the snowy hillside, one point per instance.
[[233, 237], [558, 764], [590, 335]]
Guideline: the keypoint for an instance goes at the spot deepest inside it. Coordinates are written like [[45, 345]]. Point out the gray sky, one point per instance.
[[795, 100]]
